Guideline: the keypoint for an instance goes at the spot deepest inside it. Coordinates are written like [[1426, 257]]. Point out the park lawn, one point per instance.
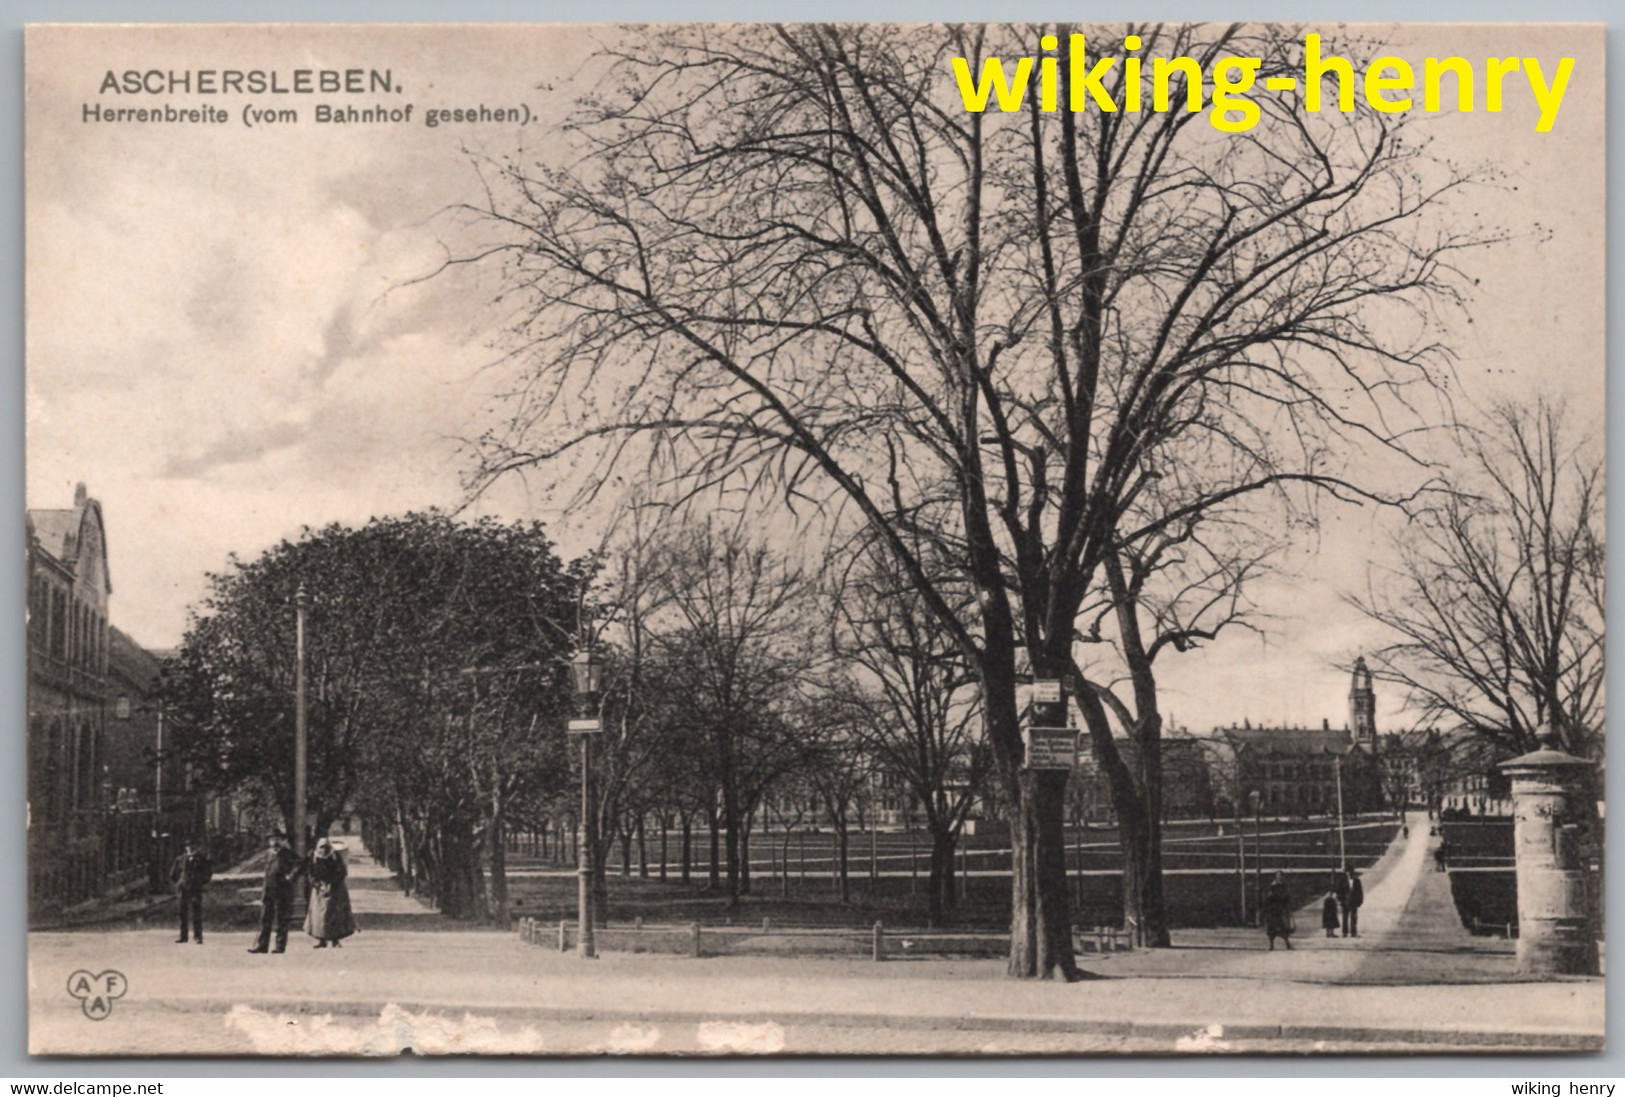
[[1201, 881], [1482, 880]]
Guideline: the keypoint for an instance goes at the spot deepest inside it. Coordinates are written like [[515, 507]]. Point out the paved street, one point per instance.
[[1413, 981]]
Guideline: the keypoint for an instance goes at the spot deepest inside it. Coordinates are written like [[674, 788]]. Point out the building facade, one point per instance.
[[69, 587], [1302, 772]]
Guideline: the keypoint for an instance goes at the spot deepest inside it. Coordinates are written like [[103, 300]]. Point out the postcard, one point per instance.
[[838, 539]]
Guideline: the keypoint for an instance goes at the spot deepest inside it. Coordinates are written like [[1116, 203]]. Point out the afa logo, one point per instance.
[[96, 993]]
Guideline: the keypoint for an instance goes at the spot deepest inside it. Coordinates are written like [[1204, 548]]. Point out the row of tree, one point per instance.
[[437, 658], [747, 691]]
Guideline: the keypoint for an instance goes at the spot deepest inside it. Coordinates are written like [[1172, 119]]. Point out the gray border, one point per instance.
[[14, 14]]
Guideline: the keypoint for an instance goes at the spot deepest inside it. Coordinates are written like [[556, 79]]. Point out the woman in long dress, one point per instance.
[[330, 918]]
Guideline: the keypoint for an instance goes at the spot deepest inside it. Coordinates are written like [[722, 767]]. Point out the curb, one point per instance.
[[1526, 1041]]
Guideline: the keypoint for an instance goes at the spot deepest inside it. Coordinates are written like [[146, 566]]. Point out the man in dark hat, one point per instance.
[[190, 874], [276, 896], [1340, 888], [1356, 900]]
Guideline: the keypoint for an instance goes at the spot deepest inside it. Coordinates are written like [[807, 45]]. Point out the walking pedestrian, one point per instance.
[[190, 874], [282, 868], [330, 918], [1340, 886], [1328, 914], [1278, 912], [1356, 900]]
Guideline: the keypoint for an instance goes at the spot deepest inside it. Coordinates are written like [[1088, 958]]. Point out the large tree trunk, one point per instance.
[[1144, 909], [744, 856], [1040, 918], [497, 885], [730, 828], [1041, 922], [1141, 830], [643, 849], [458, 888], [1139, 835]]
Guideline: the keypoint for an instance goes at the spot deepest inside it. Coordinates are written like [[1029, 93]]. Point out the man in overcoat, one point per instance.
[[190, 874], [276, 896], [1356, 899]]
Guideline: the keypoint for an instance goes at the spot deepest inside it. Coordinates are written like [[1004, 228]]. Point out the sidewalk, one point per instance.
[[1413, 981], [1169, 995]]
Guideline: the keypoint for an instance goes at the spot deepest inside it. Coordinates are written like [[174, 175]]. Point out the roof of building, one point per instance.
[[131, 662], [1291, 741], [61, 532], [57, 532]]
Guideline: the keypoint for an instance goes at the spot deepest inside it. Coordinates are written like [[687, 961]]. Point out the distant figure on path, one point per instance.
[[330, 918], [1340, 887], [1441, 856], [190, 874], [1328, 914], [1278, 912], [1356, 899], [282, 868]]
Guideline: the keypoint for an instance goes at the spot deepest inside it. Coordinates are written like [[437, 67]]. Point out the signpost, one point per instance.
[[1050, 743], [1051, 748], [1046, 691]]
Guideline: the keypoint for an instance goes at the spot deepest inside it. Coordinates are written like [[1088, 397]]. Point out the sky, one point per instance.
[[232, 331]]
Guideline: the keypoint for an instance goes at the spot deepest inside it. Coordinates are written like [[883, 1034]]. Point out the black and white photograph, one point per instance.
[[843, 539]]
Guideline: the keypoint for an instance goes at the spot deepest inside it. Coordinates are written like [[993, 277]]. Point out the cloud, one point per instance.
[[236, 447]]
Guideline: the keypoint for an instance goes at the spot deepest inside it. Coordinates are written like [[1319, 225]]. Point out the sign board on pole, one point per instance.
[[585, 727], [1046, 691], [1051, 748]]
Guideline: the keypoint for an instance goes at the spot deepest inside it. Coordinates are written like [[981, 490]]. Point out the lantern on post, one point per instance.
[[587, 673]]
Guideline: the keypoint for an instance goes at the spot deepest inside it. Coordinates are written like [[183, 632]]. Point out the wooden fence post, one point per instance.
[[880, 942]]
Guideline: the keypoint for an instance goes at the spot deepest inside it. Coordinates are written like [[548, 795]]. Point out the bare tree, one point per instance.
[[790, 261], [1497, 599], [737, 639], [1169, 592], [920, 718]]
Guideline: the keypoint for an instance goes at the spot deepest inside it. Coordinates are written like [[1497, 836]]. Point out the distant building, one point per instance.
[[1303, 771], [132, 728], [1474, 783]]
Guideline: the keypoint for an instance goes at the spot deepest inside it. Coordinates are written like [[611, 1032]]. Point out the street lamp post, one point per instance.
[[1342, 849], [1258, 851], [587, 673], [1241, 857], [301, 600]]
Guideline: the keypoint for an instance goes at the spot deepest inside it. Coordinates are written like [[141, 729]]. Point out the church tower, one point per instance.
[[1363, 708]]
